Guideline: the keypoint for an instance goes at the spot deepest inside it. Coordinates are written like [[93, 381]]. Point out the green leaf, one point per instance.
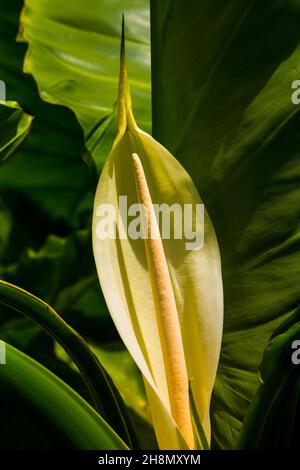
[[106, 398], [73, 55], [120, 365], [54, 267], [43, 192], [272, 421], [14, 127], [222, 75], [54, 274], [57, 405], [5, 229], [201, 440], [127, 378]]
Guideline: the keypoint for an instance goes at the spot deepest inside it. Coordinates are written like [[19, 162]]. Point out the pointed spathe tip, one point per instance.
[[123, 38], [124, 100]]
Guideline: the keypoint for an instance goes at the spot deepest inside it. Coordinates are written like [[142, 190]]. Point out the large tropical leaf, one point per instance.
[[74, 56], [222, 75], [43, 188], [272, 421], [61, 416]]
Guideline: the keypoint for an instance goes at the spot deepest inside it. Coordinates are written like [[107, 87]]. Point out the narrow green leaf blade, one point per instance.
[[80, 426], [198, 428]]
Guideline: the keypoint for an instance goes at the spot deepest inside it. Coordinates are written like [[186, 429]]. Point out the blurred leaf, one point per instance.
[[127, 377], [222, 75], [272, 421], [5, 229], [105, 395], [21, 332], [54, 266], [73, 55], [14, 127], [129, 382], [55, 274], [61, 415]]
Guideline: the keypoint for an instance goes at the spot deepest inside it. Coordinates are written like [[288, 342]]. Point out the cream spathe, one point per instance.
[[166, 301]]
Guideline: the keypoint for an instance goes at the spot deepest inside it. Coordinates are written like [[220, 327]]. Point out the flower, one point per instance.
[[165, 300]]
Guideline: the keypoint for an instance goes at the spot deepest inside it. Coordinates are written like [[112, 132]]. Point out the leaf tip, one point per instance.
[[126, 118]]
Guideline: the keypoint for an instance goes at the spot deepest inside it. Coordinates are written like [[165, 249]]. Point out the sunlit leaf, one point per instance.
[[43, 189], [73, 55]]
